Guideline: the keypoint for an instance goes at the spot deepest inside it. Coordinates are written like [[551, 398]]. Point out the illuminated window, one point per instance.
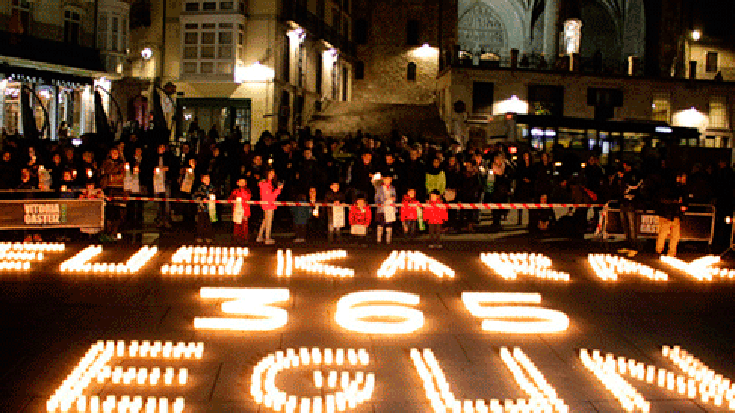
[[718, 113], [711, 63], [661, 107]]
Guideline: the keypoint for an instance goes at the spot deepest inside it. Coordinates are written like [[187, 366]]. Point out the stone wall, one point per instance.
[[386, 55]]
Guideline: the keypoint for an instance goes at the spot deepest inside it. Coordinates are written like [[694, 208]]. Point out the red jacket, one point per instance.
[[244, 195], [409, 209], [268, 194], [360, 216], [436, 213]]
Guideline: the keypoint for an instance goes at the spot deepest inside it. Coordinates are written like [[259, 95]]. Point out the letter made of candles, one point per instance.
[[413, 261], [510, 266], [87, 387], [18, 256], [701, 269], [695, 381], [286, 263], [608, 267], [190, 261], [80, 263], [337, 386], [542, 396]]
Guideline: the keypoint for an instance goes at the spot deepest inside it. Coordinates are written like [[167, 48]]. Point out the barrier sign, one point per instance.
[[52, 213], [697, 224], [649, 224]]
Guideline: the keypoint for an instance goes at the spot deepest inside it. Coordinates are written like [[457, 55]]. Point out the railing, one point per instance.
[[534, 62], [50, 51]]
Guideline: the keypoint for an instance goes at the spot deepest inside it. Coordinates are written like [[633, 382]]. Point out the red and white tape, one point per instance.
[[324, 204]]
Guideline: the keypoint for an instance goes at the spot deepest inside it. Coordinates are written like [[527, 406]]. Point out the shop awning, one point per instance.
[[48, 77]]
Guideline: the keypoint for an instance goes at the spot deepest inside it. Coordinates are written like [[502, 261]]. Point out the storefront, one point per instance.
[[47, 98]]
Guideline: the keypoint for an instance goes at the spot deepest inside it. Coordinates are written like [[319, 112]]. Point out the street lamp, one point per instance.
[[696, 35]]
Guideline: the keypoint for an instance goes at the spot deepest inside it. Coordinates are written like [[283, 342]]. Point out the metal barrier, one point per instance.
[[697, 224]]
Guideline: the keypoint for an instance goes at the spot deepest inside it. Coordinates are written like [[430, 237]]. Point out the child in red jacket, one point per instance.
[[360, 217], [435, 215], [410, 213], [240, 210]]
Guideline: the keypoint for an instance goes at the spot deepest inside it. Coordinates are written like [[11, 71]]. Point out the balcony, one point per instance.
[[457, 58], [315, 26], [50, 51]]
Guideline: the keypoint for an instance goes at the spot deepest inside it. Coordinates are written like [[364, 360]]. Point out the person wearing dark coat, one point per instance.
[[544, 184], [453, 173], [469, 192], [415, 174], [525, 181], [361, 180], [626, 187]]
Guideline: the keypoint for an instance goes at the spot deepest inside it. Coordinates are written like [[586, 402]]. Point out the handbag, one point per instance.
[[239, 212]]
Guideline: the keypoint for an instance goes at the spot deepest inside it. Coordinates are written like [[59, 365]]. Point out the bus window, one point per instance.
[[633, 142]]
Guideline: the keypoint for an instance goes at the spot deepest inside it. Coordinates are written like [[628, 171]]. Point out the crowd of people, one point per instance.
[[351, 174]]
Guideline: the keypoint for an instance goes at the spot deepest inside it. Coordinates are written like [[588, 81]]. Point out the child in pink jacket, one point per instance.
[[268, 193]]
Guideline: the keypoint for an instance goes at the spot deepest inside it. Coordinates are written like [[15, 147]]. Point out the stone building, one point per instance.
[[54, 56], [240, 67]]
